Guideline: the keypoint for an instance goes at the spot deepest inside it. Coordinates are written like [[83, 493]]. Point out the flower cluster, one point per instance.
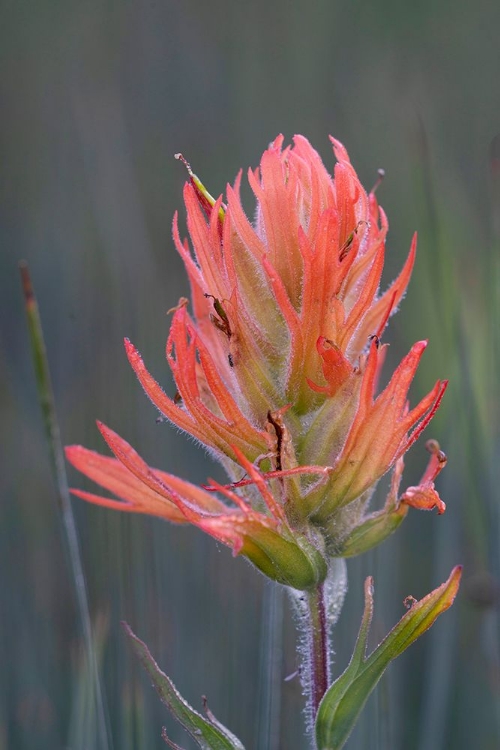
[[277, 373]]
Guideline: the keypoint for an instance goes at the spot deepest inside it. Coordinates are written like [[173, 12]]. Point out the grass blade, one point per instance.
[[46, 398]]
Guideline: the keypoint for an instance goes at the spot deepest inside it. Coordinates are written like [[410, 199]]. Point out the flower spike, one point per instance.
[[276, 372]]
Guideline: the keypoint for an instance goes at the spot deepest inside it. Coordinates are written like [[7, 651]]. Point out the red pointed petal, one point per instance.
[[377, 437], [219, 432], [107, 502], [290, 315], [194, 272], [201, 239], [197, 419], [339, 150], [276, 193], [367, 389], [364, 300], [377, 317], [113, 476], [242, 225], [158, 396], [429, 404], [172, 488], [159, 492], [393, 398], [380, 423]]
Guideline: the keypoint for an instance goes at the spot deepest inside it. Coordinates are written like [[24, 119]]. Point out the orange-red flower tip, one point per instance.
[[113, 476], [424, 496], [425, 411]]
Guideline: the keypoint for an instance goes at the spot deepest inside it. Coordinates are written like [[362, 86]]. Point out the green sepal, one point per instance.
[[294, 562], [372, 531], [209, 734], [343, 702]]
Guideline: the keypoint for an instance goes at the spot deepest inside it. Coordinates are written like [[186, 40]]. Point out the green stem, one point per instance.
[[318, 643], [316, 613]]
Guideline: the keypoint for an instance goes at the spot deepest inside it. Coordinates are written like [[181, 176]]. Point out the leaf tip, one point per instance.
[[454, 582], [128, 630], [28, 292], [369, 587]]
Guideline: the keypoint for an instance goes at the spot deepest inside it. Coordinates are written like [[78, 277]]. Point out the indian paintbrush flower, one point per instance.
[[277, 371]]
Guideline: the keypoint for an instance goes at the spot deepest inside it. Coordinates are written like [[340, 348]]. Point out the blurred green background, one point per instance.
[[96, 97]]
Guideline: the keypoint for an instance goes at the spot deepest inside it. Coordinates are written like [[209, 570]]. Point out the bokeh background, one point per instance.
[[96, 97]]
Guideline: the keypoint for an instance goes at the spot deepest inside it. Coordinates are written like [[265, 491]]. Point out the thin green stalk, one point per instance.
[[318, 649], [46, 398], [316, 612]]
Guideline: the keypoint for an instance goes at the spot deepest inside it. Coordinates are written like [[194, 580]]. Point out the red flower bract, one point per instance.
[[277, 370]]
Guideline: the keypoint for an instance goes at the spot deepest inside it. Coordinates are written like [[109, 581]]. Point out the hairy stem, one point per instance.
[[316, 612], [318, 646]]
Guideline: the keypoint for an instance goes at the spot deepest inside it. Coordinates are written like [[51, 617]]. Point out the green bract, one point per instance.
[[345, 699]]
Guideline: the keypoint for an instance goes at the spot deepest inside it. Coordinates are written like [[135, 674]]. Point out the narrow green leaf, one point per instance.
[[58, 467], [343, 702], [364, 630], [208, 733]]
